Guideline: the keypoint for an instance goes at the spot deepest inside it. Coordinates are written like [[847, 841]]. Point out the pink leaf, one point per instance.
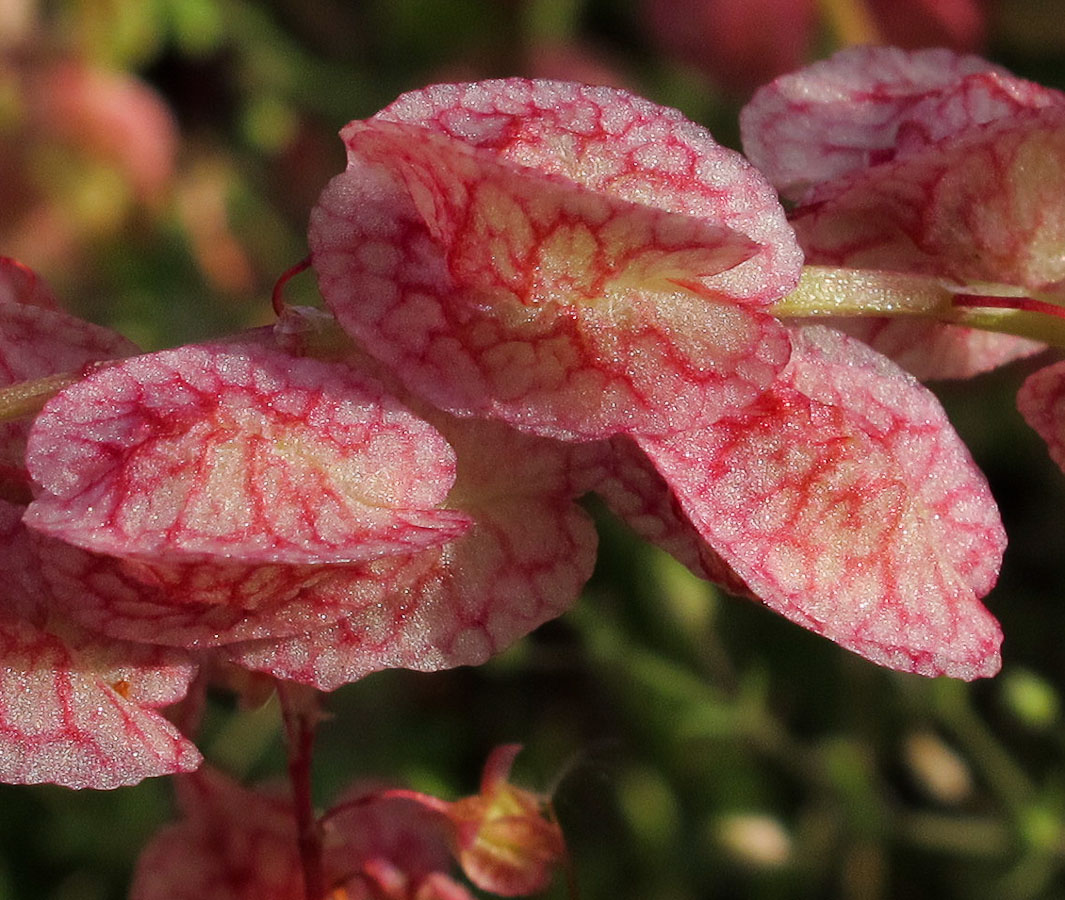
[[844, 501], [36, 341], [982, 208], [923, 162], [866, 105], [928, 351], [1041, 401], [239, 455], [207, 604], [77, 713], [523, 561], [570, 259]]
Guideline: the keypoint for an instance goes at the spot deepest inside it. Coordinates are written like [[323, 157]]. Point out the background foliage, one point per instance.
[[696, 746]]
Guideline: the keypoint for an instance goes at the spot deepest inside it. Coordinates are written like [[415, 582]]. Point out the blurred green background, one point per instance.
[[159, 159]]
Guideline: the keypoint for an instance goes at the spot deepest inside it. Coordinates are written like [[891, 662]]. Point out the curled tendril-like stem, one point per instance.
[[277, 297]]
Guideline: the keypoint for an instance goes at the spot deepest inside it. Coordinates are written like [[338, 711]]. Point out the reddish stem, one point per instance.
[[1023, 304], [300, 718], [276, 297]]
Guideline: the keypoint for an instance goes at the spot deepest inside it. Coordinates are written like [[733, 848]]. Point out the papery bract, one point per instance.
[[843, 500], [524, 560], [80, 713], [922, 162], [574, 260], [238, 453], [232, 493], [867, 105]]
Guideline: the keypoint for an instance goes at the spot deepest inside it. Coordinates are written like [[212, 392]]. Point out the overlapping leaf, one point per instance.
[[924, 162], [523, 561], [843, 500], [75, 710], [572, 260]]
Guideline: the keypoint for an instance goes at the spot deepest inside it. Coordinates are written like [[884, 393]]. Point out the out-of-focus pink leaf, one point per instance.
[[231, 844], [741, 43], [845, 502], [958, 24], [235, 843], [523, 561], [868, 105], [78, 713], [20, 284], [1041, 401], [238, 454], [111, 115], [571, 259], [37, 340]]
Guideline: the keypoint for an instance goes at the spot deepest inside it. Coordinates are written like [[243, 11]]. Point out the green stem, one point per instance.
[[28, 397], [845, 292]]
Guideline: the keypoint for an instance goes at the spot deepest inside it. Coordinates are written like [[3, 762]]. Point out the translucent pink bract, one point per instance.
[[218, 453], [868, 105], [924, 162], [573, 260], [843, 500], [523, 561], [75, 710]]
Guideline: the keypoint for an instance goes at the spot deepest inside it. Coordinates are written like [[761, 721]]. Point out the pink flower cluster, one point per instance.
[[535, 290], [238, 843]]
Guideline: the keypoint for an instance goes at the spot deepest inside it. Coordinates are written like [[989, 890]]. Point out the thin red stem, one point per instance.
[[277, 297], [1023, 304], [300, 718]]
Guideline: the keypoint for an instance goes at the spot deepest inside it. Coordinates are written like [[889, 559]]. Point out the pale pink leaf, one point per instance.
[[984, 207], [578, 270], [865, 521], [867, 105], [910, 423], [203, 605], [80, 714], [929, 351], [1041, 401], [636, 493], [238, 454], [616, 143], [37, 341], [523, 561]]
